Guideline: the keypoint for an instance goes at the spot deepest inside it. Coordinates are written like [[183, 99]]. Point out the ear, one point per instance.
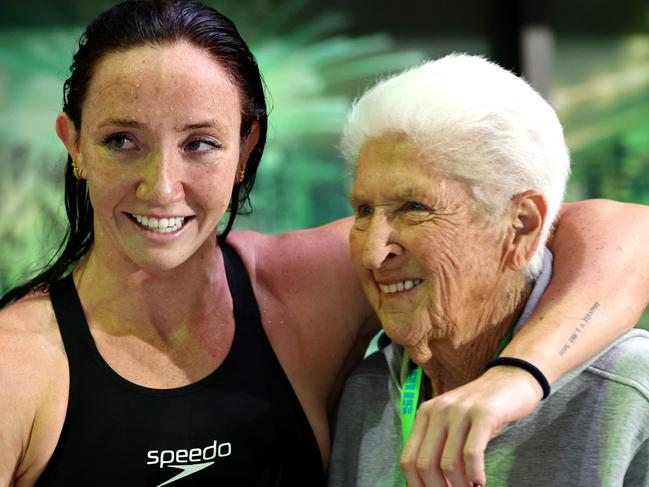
[[528, 215], [69, 135], [247, 146]]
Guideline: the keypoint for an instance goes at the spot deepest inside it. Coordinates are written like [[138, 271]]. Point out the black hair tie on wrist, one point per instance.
[[525, 365]]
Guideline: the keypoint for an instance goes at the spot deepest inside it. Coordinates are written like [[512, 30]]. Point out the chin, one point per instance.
[[420, 355], [160, 262], [413, 338], [417, 349], [400, 334]]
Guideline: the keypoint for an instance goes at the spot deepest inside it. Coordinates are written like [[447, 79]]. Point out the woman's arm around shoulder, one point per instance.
[[33, 385], [599, 287]]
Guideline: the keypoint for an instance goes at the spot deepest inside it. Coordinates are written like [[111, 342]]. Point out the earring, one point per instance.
[[241, 175], [76, 170]]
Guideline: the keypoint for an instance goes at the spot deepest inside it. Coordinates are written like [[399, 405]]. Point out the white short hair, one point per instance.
[[476, 122]]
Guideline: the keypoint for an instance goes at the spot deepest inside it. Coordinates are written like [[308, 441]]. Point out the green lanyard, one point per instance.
[[410, 393], [409, 402]]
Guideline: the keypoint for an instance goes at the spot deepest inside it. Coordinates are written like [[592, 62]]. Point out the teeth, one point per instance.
[[399, 286], [163, 225]]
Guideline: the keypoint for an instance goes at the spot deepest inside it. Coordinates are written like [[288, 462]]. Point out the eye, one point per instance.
[[364, 210], [202, 146], [120, 142], [414, 206]]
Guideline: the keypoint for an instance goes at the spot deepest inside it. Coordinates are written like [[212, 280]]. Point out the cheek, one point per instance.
[[211, 189], [484, 255], [453, 249], [438, 251], [107, 180], [214, 190], [356, 247], [463, 269], [107, 190]]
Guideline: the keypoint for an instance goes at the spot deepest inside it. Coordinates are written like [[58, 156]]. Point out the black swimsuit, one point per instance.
[[242, 425]]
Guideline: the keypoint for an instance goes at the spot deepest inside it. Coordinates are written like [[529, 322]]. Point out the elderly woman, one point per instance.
[[460, 172]]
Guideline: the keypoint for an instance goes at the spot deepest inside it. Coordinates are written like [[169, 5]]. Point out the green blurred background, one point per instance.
[[590, 59]]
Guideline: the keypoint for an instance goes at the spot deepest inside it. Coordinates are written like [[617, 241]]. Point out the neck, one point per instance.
[[123, 298], [461, 359]]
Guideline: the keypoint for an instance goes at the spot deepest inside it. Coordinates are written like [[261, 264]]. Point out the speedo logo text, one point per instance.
[[188, 461]]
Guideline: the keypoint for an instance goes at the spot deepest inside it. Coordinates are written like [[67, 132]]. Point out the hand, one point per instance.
[[450, 434]]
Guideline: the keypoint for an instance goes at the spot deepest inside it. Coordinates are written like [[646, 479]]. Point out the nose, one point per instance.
[[380, 243], [161, 181]]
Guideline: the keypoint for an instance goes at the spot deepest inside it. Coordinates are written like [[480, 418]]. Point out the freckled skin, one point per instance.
[[414, 223], [163, 90]]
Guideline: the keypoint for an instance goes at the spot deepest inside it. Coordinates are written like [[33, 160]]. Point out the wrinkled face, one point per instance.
[[427, 258], [159, 145]]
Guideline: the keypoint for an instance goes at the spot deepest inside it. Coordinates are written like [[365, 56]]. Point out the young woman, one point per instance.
[[152, 352]]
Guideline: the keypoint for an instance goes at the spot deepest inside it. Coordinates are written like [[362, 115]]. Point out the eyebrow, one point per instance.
[[353, 200], [397, 194], [122, 122], [126, 122], [199, 125]]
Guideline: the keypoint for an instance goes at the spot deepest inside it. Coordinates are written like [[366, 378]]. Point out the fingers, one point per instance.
[[433, 456], [421, 455], [474, 448], [471, 428], [446, 452], [447, 444], [452, 461]]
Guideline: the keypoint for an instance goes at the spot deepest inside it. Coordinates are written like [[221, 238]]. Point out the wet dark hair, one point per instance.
[[130, 24]]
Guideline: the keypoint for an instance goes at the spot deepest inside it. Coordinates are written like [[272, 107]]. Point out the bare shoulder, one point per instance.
[[29, 337], [29, 326], [602, 210], [298, 253], [312, 264], [33, 369]]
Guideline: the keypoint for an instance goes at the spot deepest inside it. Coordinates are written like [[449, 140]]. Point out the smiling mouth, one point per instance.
[[396, 287], [160, 225]]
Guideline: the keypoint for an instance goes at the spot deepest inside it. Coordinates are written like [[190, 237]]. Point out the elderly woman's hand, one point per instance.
[[452, 430]]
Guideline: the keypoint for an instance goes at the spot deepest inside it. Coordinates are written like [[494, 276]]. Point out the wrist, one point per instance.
[[522, 370], [550, 363]]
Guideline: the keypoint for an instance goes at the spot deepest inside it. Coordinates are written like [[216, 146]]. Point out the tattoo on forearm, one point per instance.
[[574, 336]]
